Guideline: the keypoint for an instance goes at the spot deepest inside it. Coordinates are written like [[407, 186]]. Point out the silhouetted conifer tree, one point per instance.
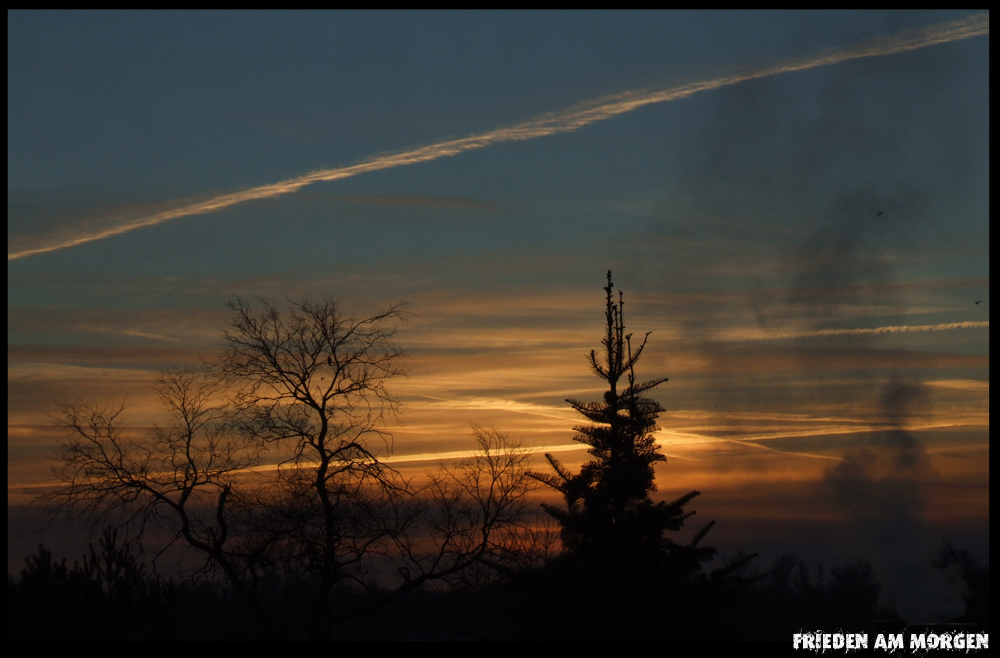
[[620, 576], [609, 513]]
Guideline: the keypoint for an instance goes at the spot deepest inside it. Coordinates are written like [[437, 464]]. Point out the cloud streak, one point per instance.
[[549, 124], [872, 331]]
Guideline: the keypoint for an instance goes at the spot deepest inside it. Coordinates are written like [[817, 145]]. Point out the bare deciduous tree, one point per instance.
[[313, 382], [479, 512], [180, 477], [327, 514]]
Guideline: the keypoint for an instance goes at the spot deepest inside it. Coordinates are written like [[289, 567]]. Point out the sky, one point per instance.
[[795, 204]]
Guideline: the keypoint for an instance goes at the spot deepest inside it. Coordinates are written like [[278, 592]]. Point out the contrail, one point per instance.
[[898, 329], [548, 124]]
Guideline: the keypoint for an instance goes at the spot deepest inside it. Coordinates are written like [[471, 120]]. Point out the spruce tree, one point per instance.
[[609, 514], [619, 575]]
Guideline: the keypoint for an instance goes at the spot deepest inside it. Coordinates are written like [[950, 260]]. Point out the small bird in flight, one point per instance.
[[880, 213], [977, 303]]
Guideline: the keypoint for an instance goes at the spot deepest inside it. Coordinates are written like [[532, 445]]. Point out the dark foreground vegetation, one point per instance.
[[332, 544], [110, 596]]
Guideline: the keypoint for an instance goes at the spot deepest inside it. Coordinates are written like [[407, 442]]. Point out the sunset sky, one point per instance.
[[796, 205]]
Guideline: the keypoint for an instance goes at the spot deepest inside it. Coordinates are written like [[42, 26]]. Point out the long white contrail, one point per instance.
[[548, 124]]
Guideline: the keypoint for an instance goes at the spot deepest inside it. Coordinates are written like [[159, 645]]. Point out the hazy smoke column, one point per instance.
[[878, 487], [844, 272], [782, 185]]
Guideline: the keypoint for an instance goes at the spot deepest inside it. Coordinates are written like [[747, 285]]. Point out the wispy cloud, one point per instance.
[[896, 329], [135, 333], [458, 203], [101, 355], [548, 124], [970, 385]]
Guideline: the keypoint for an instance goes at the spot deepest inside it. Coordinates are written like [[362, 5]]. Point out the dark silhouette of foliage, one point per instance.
[[181, 478], [111, 595], [976, 576], [331, 532], [609, 513], [791, 596], [315, 382], [107, 596], [620, 575]]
